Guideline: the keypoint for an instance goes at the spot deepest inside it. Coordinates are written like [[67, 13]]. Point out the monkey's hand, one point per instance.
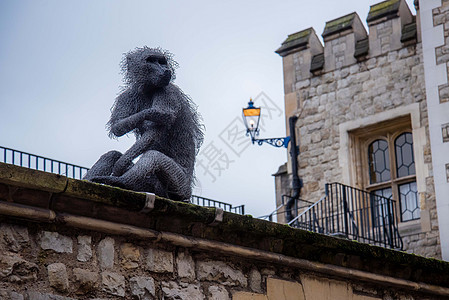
[[158, 116]]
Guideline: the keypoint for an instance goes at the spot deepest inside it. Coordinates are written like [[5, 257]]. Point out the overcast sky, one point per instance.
[[59, 76]]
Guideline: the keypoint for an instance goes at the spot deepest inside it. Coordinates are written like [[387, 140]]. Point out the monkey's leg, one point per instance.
[[123, 163], [103, 166], [169, 171]]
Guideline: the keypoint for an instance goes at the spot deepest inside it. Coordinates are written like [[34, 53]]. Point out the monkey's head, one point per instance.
[[148, 67]]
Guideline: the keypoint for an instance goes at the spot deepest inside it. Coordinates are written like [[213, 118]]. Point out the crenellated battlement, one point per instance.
[[391, 25]]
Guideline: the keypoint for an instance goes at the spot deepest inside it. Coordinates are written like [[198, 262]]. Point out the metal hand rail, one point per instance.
[[41, 163], [354, 214], [37, 162], [215, 203]]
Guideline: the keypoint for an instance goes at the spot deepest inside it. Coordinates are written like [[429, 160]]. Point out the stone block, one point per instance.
[[8, 294], [113, 283], [85, 280], [447, 172], [57, 276], [255, 281], [44, 296], [130, 256], [173, 290], [445, 132], [84, 248], [220, 271], [15, 269], [13, 237], [322, 288], [248, 296], [286, 290], [159, 261], [142, 288], [218, 292], [56, 242], [105, 253], [186, 266]]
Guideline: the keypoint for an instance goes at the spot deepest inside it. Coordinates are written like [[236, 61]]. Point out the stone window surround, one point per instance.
[[347, 159]]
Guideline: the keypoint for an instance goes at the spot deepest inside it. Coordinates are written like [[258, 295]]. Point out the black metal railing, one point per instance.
[[354, 214], [282, 209], [37, 162], [215, 203]]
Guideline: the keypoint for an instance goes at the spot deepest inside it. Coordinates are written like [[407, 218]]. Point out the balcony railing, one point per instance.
[[36, 162], [298, 205], [354, 214]]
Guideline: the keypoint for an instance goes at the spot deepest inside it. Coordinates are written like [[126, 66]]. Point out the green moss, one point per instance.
[[339, 24], [298, 35], [342, 22], [383, 8], [42, 257], [27, 178]]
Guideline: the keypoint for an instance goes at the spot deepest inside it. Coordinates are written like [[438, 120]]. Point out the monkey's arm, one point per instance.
[[123, 118], [166, 106]]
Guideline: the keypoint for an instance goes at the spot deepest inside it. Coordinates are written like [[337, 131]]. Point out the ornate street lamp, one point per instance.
[[251, 118]]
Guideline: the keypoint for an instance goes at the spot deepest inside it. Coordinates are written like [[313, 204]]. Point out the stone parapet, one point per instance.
[[391, 27], [82, 245]]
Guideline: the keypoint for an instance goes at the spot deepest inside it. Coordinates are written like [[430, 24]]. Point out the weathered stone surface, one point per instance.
[[248, 296], [57, 275], [43, 296], [287, 290], [173, 290], [130, 256], [218, 292], [56, 242], [142, 287], [255, 281], [13, 237], [15, 269], [159, 261], [313, 287], [105, 253], [8, 294], [113, 283], [85, 280], [186, 265], [84, 248], [220, 271]]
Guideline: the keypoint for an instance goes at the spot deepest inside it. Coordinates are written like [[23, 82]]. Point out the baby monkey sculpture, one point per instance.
[[166, 125]]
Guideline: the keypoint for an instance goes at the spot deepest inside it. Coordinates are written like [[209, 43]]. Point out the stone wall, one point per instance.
[[435, 28], [64, 239], [385, 82]]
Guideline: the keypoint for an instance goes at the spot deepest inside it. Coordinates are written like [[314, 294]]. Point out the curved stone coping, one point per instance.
[[49, 191]]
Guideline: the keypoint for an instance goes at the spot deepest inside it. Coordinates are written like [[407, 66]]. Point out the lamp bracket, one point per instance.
[[276, 142]]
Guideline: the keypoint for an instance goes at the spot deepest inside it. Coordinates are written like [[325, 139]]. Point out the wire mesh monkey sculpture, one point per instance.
[[166, 125]]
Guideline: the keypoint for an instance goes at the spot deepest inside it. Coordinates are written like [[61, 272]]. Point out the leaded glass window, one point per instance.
[[391, 174], [379, 161]]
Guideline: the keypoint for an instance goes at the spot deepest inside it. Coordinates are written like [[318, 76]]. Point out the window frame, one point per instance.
[[389, 131]]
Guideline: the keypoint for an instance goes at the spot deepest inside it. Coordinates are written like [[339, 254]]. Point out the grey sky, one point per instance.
[[59, 75]]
